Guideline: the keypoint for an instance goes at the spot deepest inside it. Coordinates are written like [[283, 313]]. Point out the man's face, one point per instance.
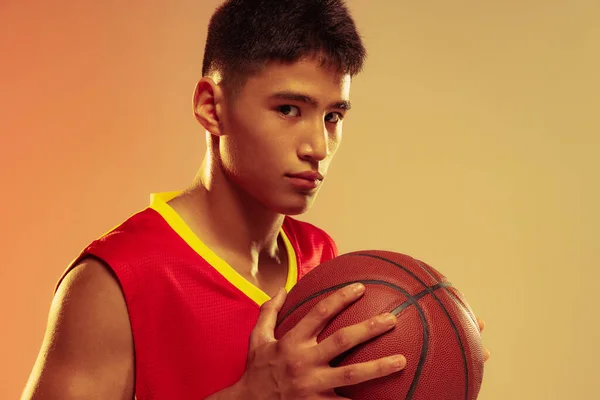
[[287, 120]]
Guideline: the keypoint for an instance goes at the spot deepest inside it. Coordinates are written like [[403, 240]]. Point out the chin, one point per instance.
[[295, 206], [294, 211]]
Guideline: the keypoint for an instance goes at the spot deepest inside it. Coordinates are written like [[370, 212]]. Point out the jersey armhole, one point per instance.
[[78, 261]]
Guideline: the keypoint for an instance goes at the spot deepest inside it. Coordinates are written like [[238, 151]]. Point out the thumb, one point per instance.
[[279, 299], [264, 330]]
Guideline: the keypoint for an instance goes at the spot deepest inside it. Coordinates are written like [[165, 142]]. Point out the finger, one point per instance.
[[350, 336], [264, 330], [486, 355], [316, 319], [357, 373], [481, 324]]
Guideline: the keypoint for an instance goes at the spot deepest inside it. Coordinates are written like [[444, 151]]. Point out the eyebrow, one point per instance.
[[299, 97]]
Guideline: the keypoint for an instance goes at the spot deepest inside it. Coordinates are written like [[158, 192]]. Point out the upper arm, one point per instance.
[[87, 351]]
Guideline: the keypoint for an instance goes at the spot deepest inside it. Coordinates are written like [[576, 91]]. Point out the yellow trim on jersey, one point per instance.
[[158, 202]]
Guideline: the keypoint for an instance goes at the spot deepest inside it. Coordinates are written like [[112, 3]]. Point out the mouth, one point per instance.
[[307, 175], [305, 181]]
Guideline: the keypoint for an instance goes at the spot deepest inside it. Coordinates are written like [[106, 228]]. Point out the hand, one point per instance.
[[486, 352], [296, 366]]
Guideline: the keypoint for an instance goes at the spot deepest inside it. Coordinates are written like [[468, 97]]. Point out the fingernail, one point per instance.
[[358, 288], [388, 319]]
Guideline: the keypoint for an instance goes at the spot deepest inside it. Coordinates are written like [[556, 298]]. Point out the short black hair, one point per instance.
[[244, 35]]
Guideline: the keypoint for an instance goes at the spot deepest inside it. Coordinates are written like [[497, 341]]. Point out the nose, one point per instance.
[[315, 144]]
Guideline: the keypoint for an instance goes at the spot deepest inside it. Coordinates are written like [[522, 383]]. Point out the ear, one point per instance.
[[208, 105]]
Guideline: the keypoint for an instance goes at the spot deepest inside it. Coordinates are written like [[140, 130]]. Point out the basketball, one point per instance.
[[436, 329]]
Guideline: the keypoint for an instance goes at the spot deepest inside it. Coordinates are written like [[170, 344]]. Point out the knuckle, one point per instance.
[[386, 367], [287, 347], [321, 310], [345, 294], [301, 387], [294, 367], [350, 375], [267, 306], [373, 325], [341, 339]]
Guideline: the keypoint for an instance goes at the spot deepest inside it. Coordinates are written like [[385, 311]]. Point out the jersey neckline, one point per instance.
[[159, 203]]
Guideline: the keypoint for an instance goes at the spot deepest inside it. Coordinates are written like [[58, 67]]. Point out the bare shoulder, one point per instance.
[[87, 351]]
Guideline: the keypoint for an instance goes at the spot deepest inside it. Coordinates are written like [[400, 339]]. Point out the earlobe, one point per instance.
[[207, 102]]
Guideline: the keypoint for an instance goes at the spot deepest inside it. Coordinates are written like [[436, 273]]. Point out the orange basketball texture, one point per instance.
[[436, 331]]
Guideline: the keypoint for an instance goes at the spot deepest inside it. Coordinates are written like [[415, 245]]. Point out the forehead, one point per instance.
[[308, 76]]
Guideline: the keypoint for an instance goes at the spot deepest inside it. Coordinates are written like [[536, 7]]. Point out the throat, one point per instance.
[[251, 246], [269, 273]]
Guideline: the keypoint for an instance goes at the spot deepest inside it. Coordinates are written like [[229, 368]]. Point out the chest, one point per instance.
[[269, 279], [191, 334]]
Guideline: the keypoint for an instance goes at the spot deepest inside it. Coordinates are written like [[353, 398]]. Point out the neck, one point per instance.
[[228, 218]]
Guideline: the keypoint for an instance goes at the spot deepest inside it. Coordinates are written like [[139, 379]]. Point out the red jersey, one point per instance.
[[191, 313]]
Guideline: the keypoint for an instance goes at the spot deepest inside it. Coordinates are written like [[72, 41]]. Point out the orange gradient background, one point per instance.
[[472, 145]]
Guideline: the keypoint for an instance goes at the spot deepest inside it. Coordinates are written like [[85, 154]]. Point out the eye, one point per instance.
[[289, 110], [337, 117]]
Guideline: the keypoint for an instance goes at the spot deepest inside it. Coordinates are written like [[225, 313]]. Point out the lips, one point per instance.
[[308, 175], [306, 181]]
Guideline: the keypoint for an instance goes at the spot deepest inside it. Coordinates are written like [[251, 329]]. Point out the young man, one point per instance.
[[180, 300]]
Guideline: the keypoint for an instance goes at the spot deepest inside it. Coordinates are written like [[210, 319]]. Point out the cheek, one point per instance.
[[242, 137], [254, 147], [334, 143], [335, 139]]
